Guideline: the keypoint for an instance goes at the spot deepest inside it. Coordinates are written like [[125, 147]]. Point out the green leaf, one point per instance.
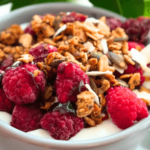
[[65, 108], [147, 8], [22, 3], [127, 8], [2, 2]]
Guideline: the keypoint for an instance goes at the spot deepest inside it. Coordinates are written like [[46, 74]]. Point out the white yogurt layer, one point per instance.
[[105, 129]]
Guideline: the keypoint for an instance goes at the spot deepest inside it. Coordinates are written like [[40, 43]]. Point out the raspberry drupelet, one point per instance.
[[5, 104], [69, 76], [125, 107], [20, 86], [61, 126], [41, 51], [135, 45], [26, 117]]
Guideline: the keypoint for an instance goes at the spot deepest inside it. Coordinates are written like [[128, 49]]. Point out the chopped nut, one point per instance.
[[103, 64], [129, 60], [125, 48], [103, 19], [11, 35], [58, 37], [49, 41], [2, 46], [47, 105], [89, 121], [143, 89], [146, 101], [147, 78], [7, 49], [81, 35], [63, 48], [115, 46], [25, 40], [26, 58], [85, 104], [126, 76], [36, 73], [105, 86], [93, 63], [134, 81], [96, 114], [2, 55], [103, 28], [74, 40]]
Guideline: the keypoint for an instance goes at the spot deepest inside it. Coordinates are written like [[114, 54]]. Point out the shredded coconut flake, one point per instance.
[[139, 58], [96, 97], [98, 73], [119, 69], [146, 52], [93, 20], [104, 45], [89, 46], [63, 28]]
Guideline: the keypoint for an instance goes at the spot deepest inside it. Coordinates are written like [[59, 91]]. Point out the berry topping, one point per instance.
[[29, 30], [135, 45], [21, 86], [72, 17], [26, 117], [61, 126], [5, 103], [68, 78], [135, 69], [41, 51], [6, 63], [113, 23], [137, 29], [125, 107]]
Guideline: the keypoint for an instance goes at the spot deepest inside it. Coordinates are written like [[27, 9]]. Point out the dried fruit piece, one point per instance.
[[40, 52]]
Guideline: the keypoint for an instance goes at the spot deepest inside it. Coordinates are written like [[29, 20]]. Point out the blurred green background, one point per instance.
[[127, 8]]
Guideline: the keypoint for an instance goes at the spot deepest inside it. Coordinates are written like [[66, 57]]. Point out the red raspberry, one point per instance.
[[113, 23], [74, 17], [125, 107], [135, 45], [20, 86], [29, 30], [137, 29], [7, 62], [41, 51], [26, 117], [69, 76], [5, 103], [61, 126], [135, 69]]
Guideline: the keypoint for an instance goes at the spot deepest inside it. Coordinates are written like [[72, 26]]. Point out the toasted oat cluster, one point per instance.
[[73, 68]]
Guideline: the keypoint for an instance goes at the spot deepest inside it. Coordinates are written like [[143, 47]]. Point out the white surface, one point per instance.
[[5, 9]]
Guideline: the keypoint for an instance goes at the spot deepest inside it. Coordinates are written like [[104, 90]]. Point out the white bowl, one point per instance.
[[11, 138]]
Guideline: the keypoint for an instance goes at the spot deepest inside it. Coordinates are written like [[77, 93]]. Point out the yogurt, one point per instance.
[[102, 130]]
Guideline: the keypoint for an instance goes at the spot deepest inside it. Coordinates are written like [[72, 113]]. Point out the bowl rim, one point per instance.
[[22, 136]]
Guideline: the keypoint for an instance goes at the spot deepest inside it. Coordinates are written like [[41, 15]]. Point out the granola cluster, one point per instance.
[[100, 52]]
